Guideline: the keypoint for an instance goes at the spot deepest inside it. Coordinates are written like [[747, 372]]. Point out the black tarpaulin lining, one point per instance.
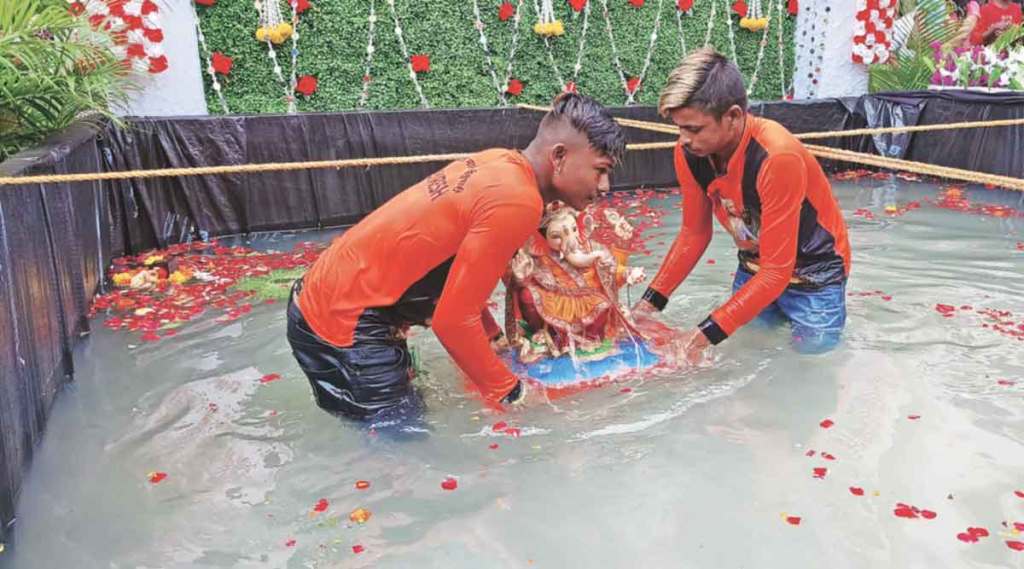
[[55, 241]]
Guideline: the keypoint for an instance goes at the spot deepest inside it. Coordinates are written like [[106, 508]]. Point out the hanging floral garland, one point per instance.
[[872, 35], [630, 84], [135, 27], [782, 52], [308, 82], [740, 8], [682, 7], [421, 62], [273, 31], [810, 52], [755, 20], [205, 52], [364, 96], [578, 6], [502, 86], [763, 43], [711, 23], [547, 25]]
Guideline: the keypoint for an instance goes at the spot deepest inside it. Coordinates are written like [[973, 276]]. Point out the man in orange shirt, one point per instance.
[[770, 194], [432, 255]]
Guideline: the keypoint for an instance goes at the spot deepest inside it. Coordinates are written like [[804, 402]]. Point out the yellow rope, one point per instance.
[[820, 151], [669, 129]]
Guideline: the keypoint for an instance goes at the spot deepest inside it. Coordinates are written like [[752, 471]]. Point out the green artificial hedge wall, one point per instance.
[[333, 37]]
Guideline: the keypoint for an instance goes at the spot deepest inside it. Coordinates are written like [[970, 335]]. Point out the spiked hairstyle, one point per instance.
[[589, 117]]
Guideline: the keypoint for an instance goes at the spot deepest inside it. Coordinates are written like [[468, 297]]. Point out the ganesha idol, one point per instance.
[[563, 318]]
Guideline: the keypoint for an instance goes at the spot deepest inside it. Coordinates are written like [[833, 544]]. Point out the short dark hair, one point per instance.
[[591, 118], [706, 80]]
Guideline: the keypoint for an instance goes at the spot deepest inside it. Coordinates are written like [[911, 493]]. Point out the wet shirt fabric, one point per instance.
[[776, 202], [432, 255]]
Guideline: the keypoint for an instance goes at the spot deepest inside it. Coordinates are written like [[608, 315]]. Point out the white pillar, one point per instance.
[[826, 27], [178, 91]]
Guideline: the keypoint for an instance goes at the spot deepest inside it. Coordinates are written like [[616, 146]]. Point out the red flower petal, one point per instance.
[[362, 484], [945, 309], [632, 84], [515, 87], [827, 456], [290, 542], [358, 548], [301, 6], [321, 505], [793, 520], [1018, 526], [856, 491], [928, 514], [827, 423], [913, 417], [493, 446], [221, 63], [904, 511], [499, 426], [740, 7], [506, 11], [157, 477], [684, 5], [578, 5], [513, 432], [270, 377], [978, 532], [420, 63], [637, 3], [809, 453], [449, 483], [1015, 545], [1018, 493], [1005, 382], [967, 538], [306, 85], [820, 472], [626, 390]]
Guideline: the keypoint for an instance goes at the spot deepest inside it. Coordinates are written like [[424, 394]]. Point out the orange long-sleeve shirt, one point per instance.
[[467, 220], [777, 203]]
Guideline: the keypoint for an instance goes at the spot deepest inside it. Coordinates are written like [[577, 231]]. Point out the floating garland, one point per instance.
[[405, 54], [364, 96], [214, 83]]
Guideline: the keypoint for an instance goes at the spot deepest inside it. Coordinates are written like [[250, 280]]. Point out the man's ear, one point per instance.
[[558, 154], [735, 113]]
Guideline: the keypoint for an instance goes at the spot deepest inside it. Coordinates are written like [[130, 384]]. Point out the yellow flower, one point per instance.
[[261, 34], [557, 28], [180, 277], [122, 279], [153, 259], [360, 515]]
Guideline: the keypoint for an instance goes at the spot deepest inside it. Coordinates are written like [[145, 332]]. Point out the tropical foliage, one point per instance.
[[54, 68]]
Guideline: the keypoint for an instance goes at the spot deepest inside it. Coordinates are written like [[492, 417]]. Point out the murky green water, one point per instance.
[[696, 469]]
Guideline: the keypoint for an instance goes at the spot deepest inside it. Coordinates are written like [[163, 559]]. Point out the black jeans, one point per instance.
[[372, 374]]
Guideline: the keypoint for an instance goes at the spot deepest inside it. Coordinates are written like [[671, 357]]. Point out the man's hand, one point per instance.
[[690, 346], [642, 308]]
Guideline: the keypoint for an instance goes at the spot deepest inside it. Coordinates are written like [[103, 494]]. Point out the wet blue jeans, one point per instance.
[[817, 316]]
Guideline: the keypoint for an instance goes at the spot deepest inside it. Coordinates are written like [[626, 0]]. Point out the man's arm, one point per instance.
[[782, 185], [691, 242], [491, 242]]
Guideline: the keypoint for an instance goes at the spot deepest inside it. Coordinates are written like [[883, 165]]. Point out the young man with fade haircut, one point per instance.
[[770, 194], [432, 255]]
